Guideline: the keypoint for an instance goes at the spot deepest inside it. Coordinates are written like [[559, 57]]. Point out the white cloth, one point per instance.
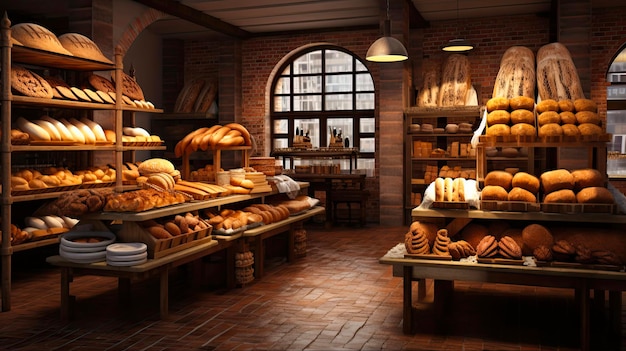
[[287, 185]]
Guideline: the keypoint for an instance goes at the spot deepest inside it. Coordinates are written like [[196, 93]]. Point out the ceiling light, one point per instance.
[[387, 48], [458, 45]]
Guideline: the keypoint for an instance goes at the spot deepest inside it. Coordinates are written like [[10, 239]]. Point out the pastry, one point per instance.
[[508, 248], [416, 243], [428, 230], [487, 247], [441, 243]]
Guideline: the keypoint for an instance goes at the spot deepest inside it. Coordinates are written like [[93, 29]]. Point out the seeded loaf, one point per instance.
[[516, 76], [557, 77], [455, 81], [429, 93], [35, 36]]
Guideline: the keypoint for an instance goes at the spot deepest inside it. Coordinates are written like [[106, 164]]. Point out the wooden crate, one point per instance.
[[133, 232]]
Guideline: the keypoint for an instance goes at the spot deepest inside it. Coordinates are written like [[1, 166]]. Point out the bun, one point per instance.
[[81, 46], [548, 117], [547, 105], [519, 194], [498, 117], [497, 103], [567, 117], [570, 130], [566, 105], [590, 129], [38, 37], [494, 192], [583, 104], [523, 116], [587, 117], [499, 130], [524, 129], [522, 102], [550, 129]]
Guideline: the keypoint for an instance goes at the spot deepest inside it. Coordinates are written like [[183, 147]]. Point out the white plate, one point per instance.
[[66, 239], [126, 258], [120, 249], [85, 257], [127, 263], [81, 249]]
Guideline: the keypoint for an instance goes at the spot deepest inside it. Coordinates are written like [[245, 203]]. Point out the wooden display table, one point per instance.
[[257, 236], [446, 272], [125, 275]]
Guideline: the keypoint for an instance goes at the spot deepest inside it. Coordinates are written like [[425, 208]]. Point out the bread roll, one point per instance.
[[550, 129], [519, 194], [522, 103], [585, 105], [566, 105], [547, 105], [516, 76], [455, 81], [498, 103], [590, 129], [522, 116], [557, 77], [38, 37], [570, 130], [596, 195], [498, 117], [567, 117], [587, 177], [494, 192], [556, 180], [524, 129], [526, 181], [500, 178], [588, 117], [499, 130], [548, 117], [560, 196]]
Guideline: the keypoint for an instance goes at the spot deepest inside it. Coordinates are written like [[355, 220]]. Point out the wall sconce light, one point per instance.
[[387, 48]]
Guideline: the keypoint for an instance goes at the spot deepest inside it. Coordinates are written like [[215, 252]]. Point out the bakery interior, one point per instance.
[[488, 176]]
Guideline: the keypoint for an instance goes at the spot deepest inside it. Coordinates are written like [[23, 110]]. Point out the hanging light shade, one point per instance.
[[458, 45], [387, 48]]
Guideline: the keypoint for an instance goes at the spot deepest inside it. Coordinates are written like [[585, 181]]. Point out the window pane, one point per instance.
[[307, 103], [360, 67], [281, 143], [342, 127], [282, 86], [310, 126], [336, 83], [365, 101], [281, 126], [307, 84], [367, 145], [308, 63], [364, 82], [281, 104], [338, 61], [367, 125], [286, 71], [338, 102]]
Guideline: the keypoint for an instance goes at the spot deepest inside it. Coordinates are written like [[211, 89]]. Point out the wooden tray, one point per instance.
[[133, 232], [451, 205], [429, 257], [509, 206], [569, 208]]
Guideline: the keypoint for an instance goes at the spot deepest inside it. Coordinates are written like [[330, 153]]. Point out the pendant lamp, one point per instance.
[[387, 48], [457, 45]]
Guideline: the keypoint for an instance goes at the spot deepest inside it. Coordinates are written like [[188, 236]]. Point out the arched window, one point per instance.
[[321, 91]]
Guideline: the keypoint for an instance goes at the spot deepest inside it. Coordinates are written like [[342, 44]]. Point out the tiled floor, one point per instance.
[[338, 297]]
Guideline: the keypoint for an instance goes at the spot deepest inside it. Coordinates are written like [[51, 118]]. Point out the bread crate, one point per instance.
[[133, 232]]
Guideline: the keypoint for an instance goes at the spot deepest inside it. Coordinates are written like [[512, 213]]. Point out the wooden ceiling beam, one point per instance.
[[190, 14]]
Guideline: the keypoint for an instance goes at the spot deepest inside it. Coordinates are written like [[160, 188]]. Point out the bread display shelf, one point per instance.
[[157, 248], [427, 134], [576, 265], [510, 206], [433, 257], [534, 141], [452, 205], [456, 111], [23, 54], [576, 208], [443, 158], [217, 159], [56, 103]]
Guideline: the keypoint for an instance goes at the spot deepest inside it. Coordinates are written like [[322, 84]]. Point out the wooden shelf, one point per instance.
[[27, 55]]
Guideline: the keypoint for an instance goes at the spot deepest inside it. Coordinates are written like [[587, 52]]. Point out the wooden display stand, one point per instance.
[[217, 159]]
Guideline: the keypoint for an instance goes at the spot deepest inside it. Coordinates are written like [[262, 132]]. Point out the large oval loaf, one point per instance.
[[429, 94], [455, 81], [516, 76], [557, 77]]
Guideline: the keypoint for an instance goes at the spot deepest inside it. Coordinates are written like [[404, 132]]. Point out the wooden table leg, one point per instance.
[[230, 267], [164, 298], [259, 257], [291, 235], [615, 316], [407, 301], [582, 297], [66, 299], [123, 291]]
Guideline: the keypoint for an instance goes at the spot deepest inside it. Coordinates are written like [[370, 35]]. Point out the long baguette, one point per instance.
[[194, 192], [34, 130], [78, 135], [90, 137], [95, 128], [200, 186], [182, 145], [66, 135], [244, 132], [55, 135], [218, 135], [201, 141]]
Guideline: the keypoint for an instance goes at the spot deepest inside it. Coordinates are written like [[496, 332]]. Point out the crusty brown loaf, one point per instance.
[[547, 105], [508, 248], [499, 130], [567, 117], [487, 247], [494, 192], [570, 130], [556, 179], [587, 177], [583, 104], [497, 103], [130, 87], [519, 194], [429, 93], [206, 97], [524, 129], [548, 117], [566, 105], [590, 129], [473, 233], [550, 130], [101, 83], [38, 37], [81, 46], [516, 76], [522, 103], [523, 116], [557, 77], [188, 95], [500, 178], [526, 181], [587, 117], [29, 83], [542, 253], [535, 235], [455, 81], [560, 196], [595, 194]]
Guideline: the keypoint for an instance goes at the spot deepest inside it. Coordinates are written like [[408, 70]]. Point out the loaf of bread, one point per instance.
[[567, 117], [547, 105], [556, 180], [520, 194], [557, 77], [487, 247], [516, 76], [81, 46], [526, 181], [535, 235], [497, 103], [155, 165], [455, 81], [548, 117], [499, 130], [550, 130], [583, 104], [29, 83], [560, 196], [500, 178], [523, 129], [428, 95], [587, 177], [588, 117], [523, 116], [508, 248], [590, 129], [494, 192], [498, 117], [570, 130], [38, 37], [566, 105], [596, 195], [130, 88]]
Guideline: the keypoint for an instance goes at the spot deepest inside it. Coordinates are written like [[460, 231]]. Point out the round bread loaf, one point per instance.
[[473, 233], [556, 180], [548, 117], [570, 130], [101, 83], [487, 247], [550, 129], [526, 181], [596, 195], [130, 88], [494, 192], [499, 130], [524, 129], [587, 117], [590, 129], [519, 194], [155, 165], [567, 117], [429, 94], [547, 105], [500, 178], [510, 152], [81, 46], [566, 105], [523, 116], [535, 235], [587, 177], [38, 37], [497, 103], [583, 104], [521, 102], [498, 117], [30, 83], [565, 196]]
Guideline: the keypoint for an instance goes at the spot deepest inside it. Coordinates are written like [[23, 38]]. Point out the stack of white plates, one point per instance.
[[85, 246], [126, 254]]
